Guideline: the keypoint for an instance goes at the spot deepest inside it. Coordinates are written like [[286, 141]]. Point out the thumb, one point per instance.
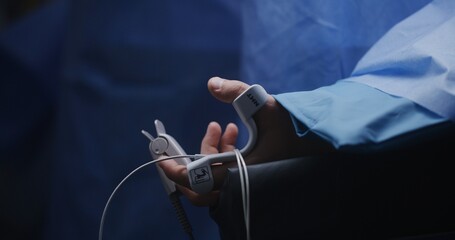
[[226, 90]]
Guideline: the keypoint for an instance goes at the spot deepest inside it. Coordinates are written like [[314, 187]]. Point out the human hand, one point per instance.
[[276, 140]]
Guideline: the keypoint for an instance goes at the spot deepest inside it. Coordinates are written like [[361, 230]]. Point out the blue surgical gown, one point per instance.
[[403, 83]]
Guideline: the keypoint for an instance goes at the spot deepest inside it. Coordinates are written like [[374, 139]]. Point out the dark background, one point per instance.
[[81, 79]]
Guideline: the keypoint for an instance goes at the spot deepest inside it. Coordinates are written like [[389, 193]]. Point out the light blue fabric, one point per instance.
[[416, 59], [296, 45], [348, 113]]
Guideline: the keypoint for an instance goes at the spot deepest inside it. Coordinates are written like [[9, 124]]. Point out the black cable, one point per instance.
[[181, 215]]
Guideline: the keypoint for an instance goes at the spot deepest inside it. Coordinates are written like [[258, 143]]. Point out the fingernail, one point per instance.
[[217, 83]]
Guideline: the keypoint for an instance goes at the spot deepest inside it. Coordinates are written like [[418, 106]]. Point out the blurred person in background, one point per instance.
[[80, 80]]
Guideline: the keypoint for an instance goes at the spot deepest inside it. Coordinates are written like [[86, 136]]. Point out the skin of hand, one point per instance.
[[276, 140]]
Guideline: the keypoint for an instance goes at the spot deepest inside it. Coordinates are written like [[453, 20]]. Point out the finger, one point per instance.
[[226, 90], [175, 172], [200, 200], [229, 138], [211, 140]]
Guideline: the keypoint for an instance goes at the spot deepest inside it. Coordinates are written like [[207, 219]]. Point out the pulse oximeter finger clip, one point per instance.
[[247, 104], [162, 147], [165, 145]]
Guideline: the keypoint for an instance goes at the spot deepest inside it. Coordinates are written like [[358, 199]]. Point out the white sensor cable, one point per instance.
[[100, 234], [244, 184]]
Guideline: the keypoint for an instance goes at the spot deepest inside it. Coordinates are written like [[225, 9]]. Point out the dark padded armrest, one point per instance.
[[405, 191]]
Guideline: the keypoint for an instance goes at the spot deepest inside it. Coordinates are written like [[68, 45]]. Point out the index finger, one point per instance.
[[175, 172]]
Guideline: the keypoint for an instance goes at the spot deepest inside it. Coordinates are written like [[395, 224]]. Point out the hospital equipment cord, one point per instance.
[[175, 200], [179, 209], [244, 184]]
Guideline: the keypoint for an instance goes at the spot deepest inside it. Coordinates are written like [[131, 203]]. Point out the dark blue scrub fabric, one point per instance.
[[29, 66], [302, 45], [295, 45], [83, 78]]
